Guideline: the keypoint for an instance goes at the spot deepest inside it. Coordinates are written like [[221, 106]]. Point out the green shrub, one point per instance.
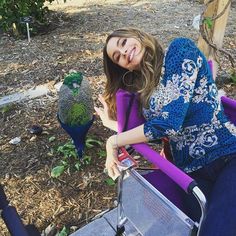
[[12, 10], [70, 160]]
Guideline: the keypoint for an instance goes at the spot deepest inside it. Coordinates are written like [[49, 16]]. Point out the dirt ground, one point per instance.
[[74, 42]]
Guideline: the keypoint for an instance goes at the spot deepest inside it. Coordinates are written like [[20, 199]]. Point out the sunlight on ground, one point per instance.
[[80, 3]]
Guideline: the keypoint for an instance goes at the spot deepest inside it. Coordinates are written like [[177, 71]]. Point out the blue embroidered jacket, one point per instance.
[[185, 107]]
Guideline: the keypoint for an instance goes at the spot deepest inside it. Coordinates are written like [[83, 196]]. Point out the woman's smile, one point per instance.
[[132, 54]]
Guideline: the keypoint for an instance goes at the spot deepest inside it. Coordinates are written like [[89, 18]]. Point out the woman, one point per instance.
[[179, 100]]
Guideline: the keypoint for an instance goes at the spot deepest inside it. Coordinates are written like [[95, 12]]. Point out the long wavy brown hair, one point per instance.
[[143, 81]]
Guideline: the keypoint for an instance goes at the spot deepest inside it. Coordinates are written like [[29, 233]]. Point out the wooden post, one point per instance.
[[216, 33]]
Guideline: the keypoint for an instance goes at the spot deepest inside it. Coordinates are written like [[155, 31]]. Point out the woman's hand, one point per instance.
[[112, 158], [104, 115]]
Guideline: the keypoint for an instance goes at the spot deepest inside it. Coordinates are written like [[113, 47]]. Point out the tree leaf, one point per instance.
[[78, 165], [102, 153], [63, 232], [90, 142], [51, 139], [110, 182], [57, 171], [208, 21], [233, 78], [87, 159]]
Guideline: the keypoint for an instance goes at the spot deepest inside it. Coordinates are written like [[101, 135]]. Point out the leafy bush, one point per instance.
[[12, 10], [69, 157]]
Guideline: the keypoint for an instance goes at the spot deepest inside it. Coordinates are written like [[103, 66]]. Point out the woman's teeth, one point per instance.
[[131, 55]]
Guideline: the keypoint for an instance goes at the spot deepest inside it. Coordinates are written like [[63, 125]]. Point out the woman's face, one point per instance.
[[125, 52]]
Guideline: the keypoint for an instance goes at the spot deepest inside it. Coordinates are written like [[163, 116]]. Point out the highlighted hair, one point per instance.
[[144, 81]]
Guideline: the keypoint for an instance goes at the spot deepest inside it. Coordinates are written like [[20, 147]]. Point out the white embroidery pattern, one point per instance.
[[193, 168], [165, 114], [231, 127], [149, 135], [177, 86], [207, 94], [196, 138]]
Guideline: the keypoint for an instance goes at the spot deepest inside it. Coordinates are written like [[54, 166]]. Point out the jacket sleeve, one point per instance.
[[182, 62]]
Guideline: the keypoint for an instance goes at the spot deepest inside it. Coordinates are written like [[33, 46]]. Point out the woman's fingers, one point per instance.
[[102, 100], [102, 112], [116, 172], [113, 172], [112, 168], [99, 110]]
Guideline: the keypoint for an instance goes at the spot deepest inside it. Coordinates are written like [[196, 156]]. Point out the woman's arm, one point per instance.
[[132, 136]]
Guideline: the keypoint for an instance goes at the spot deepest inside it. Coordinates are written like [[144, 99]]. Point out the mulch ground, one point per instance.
[[74, 43]]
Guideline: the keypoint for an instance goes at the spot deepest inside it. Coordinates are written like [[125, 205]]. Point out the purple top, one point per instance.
[[229, 106]]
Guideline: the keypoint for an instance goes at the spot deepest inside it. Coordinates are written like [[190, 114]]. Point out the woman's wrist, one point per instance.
[[113, 125], [113, 140]]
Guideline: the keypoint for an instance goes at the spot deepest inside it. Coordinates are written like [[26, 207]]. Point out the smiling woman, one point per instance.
[[179, 100], [131, 50], [125, 52]]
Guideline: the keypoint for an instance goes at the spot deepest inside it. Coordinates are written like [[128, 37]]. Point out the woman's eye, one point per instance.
[[124, 42]]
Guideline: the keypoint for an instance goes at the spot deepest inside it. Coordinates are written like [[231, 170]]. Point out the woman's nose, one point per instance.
[[123, 52]]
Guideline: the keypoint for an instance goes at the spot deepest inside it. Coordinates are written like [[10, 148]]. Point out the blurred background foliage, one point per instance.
[[11, 12]]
